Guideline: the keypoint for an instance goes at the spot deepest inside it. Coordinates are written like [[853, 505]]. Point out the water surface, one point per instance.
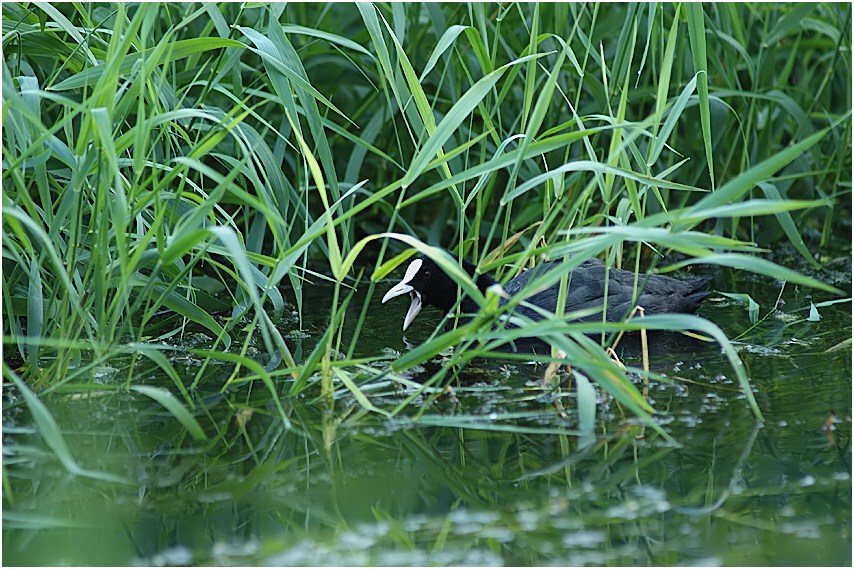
[[491, 474]]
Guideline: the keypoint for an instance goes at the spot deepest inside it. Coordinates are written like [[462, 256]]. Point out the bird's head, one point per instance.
[[427, 284]]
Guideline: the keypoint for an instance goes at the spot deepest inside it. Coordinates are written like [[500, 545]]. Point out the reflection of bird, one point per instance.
[[427, 284]]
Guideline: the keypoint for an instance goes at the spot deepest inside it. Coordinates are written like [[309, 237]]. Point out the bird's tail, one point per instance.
[[698, 290]]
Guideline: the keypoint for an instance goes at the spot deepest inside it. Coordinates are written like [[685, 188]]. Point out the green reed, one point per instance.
[[186, 165]]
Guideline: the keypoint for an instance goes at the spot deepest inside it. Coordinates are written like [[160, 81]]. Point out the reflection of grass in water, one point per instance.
[[482, 448], [425, 483]]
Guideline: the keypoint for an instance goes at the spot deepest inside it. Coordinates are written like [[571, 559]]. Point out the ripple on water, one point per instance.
[[177, 556], [583, 538], [309, 552]]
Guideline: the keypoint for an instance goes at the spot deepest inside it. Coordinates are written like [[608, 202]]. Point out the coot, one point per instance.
[[427, 284]]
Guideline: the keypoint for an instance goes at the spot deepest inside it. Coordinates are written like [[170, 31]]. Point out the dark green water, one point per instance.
[[489, 476]]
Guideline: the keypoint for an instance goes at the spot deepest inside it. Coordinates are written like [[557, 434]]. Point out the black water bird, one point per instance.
[[427, 284]]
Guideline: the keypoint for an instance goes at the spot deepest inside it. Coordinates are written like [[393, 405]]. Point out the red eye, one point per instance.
[[426, 275]]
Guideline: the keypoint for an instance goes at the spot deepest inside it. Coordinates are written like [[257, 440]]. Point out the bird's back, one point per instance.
[[586, 291]]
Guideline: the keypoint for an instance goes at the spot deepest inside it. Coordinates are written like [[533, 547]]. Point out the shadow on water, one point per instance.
[[491, 473]]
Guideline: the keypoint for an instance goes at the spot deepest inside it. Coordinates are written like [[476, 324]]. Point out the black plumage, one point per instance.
[[427, 284], [657, 294]]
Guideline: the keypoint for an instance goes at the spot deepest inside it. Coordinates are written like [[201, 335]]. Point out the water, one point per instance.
[[489, 475]]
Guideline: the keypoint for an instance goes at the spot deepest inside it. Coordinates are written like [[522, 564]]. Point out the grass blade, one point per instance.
[[175, 407]]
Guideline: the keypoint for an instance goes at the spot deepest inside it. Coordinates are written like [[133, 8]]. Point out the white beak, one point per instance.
[[404, 287]]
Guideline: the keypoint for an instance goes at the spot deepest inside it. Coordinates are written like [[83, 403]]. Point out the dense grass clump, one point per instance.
[[187, 164]]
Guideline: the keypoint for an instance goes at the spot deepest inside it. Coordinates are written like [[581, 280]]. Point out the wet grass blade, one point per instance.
[[696, 323], [162, 362], [757, 265], [357, 393], [454, 117], [788, 224], [586, 397], [35, 313], [52, 435], [697, 35], [258, 370], [175, 407], [672, 118], [179, 50], [739, 186], [597, 167]]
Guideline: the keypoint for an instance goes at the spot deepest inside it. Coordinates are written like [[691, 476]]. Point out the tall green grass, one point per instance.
[[167, 165]]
